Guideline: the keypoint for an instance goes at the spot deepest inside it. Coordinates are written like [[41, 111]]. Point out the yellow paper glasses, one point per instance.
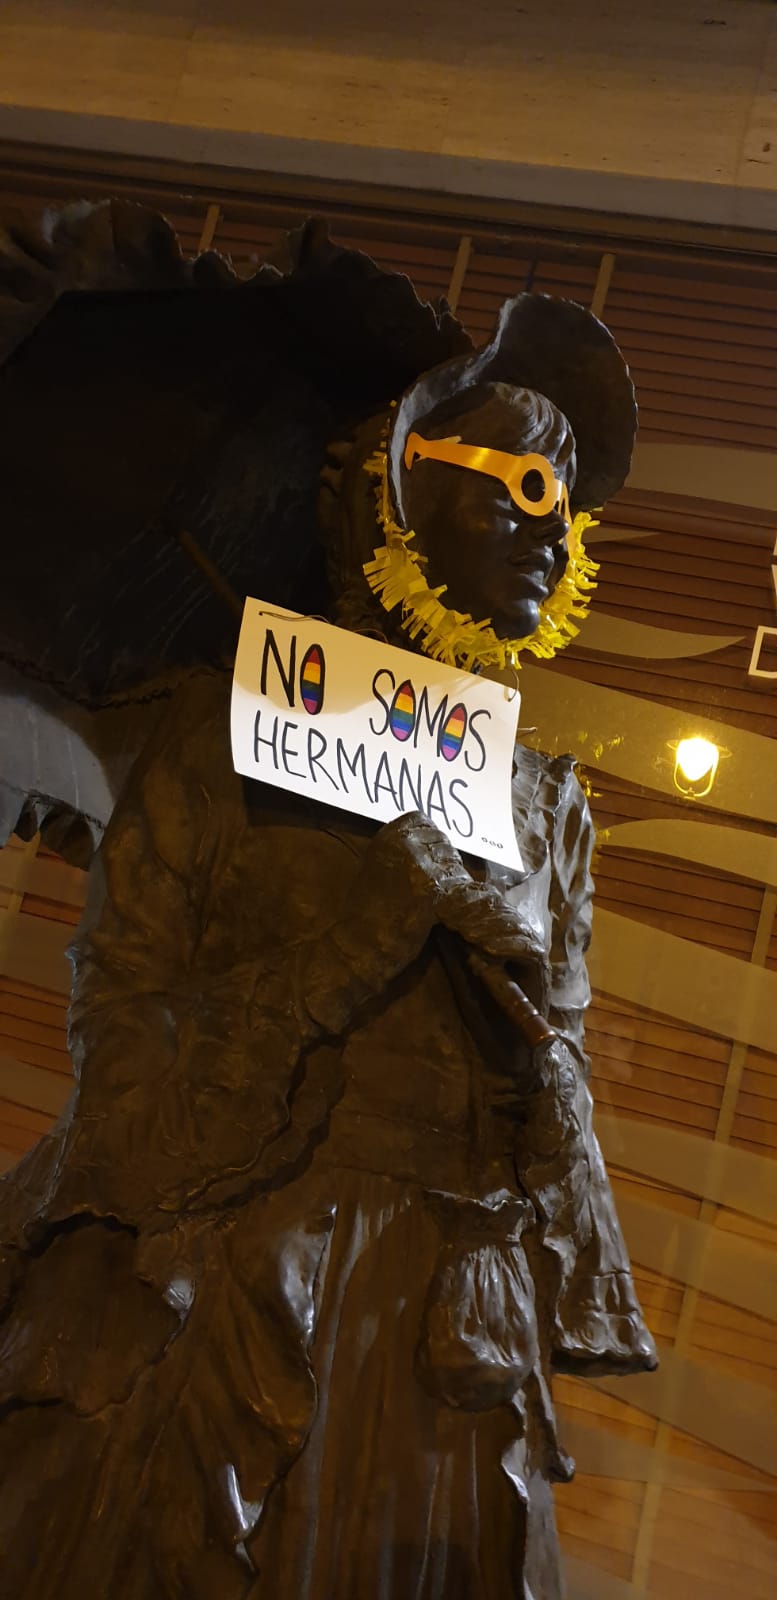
[[512, 471]]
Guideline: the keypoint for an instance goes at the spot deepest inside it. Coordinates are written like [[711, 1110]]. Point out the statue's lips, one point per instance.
[[529, 572]]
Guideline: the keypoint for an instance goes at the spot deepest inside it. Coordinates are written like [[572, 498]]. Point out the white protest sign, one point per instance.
[[345, 720]]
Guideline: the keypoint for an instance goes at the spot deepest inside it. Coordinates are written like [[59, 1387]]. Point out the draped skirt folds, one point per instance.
[[416, 1480]]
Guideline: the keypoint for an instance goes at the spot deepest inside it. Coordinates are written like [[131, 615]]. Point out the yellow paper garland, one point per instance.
[[396, 576]]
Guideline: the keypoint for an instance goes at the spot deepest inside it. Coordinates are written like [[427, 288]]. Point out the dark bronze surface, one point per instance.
[[496, 560], [283, 1292]]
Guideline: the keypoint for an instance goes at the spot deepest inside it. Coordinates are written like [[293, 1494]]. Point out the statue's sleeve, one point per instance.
[[183, 1056], [571, 908], [187, 1046], [158, 1036], [598, 1321]]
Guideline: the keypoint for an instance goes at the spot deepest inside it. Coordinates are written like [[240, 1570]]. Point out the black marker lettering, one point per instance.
[[388, 785], [415, 789], [382, 672], [431, 722], [271, 742], [358, 761], [312, 692], [435, 788], [287, 755], [314, 756], [456, 784], [476, 736], [286, 677]]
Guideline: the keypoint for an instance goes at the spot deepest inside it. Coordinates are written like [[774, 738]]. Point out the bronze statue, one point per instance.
[[285, 1289]]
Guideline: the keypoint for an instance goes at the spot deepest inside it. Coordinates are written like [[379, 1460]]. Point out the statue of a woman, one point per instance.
[[286, 1289]]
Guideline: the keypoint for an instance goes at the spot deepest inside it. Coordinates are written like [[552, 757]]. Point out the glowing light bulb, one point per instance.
[[695, 764]]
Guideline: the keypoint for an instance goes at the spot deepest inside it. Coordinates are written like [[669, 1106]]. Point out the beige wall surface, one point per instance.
[[668, 109]]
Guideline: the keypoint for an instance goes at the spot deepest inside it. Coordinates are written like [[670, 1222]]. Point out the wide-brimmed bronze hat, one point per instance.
[[143, 396], [561, 351]]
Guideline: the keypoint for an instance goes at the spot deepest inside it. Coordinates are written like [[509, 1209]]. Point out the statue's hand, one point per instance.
[[600, 1328], [411, 877], [385, 922], [414, 859], [418, 862], [505, 950], [499, 979]]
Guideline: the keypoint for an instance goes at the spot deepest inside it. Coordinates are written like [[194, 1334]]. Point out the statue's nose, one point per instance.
[[550, 529]]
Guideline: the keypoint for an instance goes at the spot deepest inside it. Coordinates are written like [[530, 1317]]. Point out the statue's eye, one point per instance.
[[533, 485]]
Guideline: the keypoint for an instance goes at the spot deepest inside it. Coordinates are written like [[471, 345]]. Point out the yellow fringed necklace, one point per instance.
[[396, 576]]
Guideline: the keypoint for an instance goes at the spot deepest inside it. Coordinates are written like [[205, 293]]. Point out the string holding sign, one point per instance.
[[355, 723]]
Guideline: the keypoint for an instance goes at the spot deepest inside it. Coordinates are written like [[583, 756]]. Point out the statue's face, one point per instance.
[[496, 559]]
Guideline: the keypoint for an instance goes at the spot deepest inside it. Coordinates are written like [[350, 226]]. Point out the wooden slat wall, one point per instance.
[[702, 568], [702, 350], [492, 279], [710, 346], [43, 896], [701, 337]]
